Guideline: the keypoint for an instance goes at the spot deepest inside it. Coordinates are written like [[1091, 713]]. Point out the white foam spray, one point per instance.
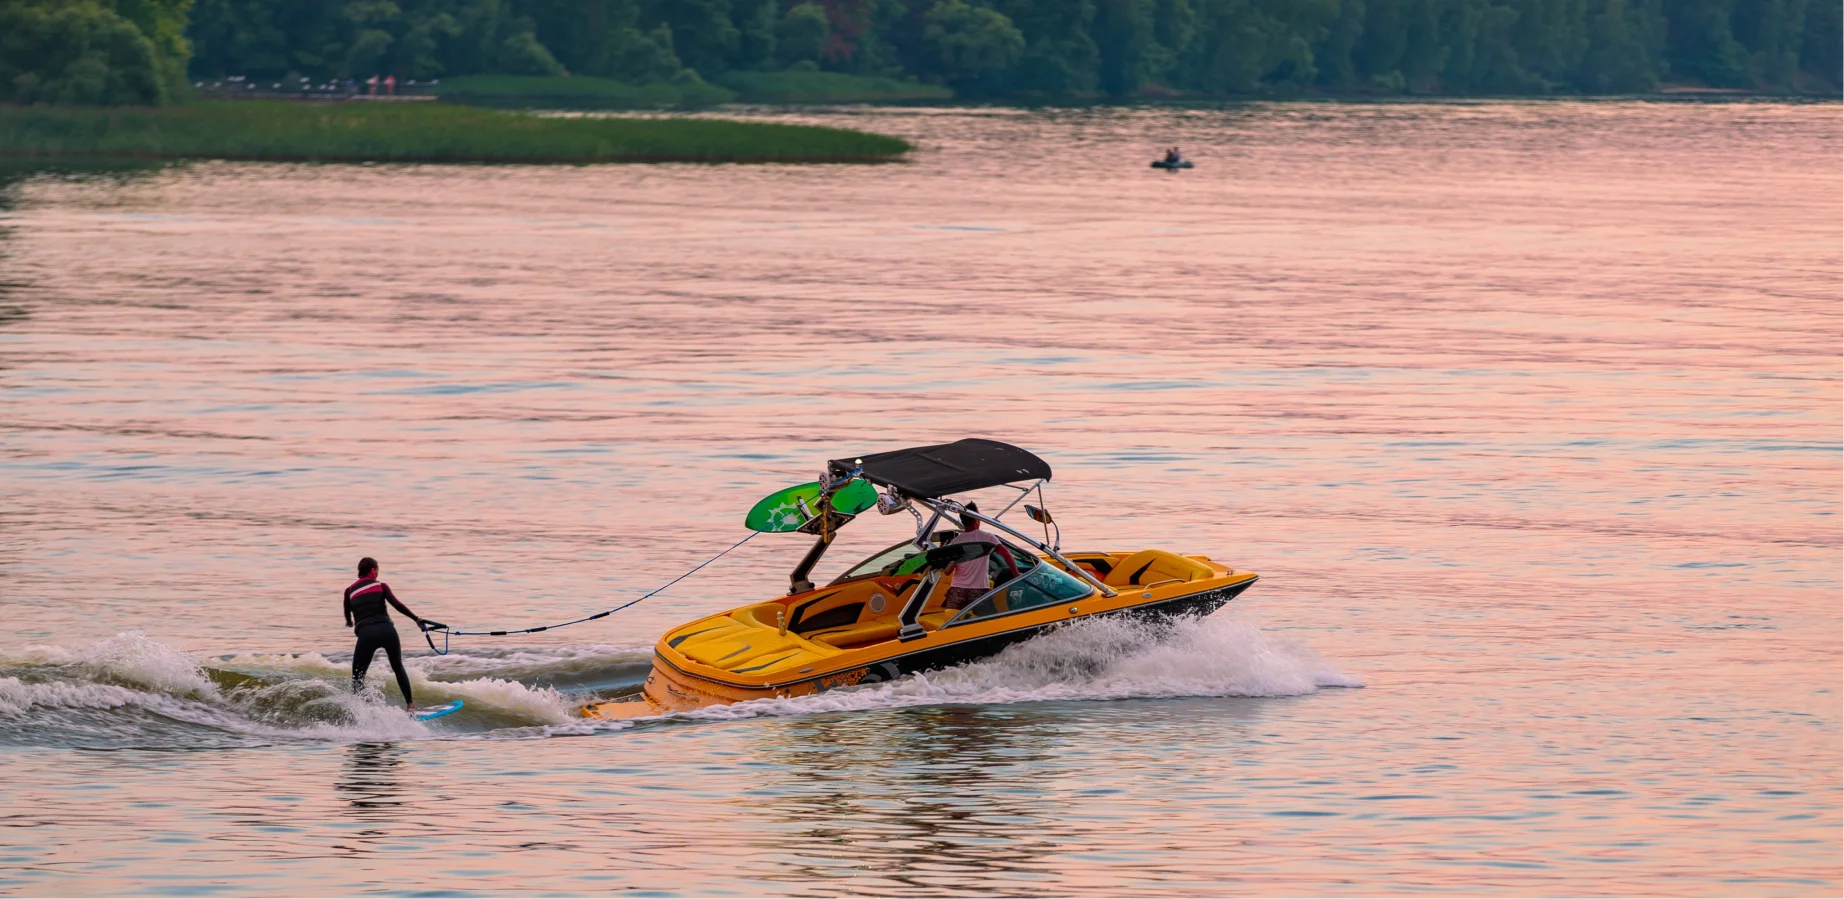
[[158, 692], [279, 697], [128, 659], [1222, 655]]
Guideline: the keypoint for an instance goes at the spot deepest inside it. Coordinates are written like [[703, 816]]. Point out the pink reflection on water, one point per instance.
[[1527, 413]]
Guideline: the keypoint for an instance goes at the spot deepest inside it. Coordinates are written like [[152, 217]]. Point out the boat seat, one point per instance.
[[874, 631], [878, 630], [1098, 564], [1150, 566], [934, 620]]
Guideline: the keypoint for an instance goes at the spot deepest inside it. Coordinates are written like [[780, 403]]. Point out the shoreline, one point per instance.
[[805, 89]]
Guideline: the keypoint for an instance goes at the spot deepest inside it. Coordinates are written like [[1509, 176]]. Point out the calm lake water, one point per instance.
[[1528, 414]]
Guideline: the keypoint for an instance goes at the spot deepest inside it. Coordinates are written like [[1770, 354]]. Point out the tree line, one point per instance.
[[93, 51], [143, 51]]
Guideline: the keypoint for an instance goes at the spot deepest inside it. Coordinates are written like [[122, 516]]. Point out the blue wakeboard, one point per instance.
[[437, 711]]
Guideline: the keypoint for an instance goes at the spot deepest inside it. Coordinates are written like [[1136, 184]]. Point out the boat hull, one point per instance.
[[669, 688]]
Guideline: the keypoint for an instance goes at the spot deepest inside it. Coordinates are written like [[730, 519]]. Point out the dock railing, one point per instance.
[[237, 87]]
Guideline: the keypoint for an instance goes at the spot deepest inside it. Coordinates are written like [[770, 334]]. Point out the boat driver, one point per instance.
[[972, 579]]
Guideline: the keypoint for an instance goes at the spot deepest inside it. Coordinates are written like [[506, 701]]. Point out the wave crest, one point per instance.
[[1098, 659], [130, 690]]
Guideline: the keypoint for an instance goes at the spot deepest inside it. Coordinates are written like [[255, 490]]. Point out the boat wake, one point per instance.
[[1218, 656], [130, 691]]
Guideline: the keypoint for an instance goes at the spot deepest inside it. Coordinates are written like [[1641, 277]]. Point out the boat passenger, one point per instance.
[[1172, 156], [971, 579], [371, 623]]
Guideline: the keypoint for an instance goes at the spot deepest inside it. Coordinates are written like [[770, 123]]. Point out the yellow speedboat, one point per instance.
[[885, 617]]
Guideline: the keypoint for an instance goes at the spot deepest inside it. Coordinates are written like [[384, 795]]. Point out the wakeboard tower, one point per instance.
[[884, 617]]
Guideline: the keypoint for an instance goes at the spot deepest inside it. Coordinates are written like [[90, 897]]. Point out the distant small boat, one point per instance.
[[1171, 166]]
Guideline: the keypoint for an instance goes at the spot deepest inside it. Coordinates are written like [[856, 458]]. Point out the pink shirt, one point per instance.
[[974, 573]]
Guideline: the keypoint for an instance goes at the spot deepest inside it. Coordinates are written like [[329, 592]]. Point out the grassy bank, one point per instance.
[[827, 87], [414, 132], [576, 92]]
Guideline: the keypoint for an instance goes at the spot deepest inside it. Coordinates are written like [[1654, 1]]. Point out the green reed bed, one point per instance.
[[415, 132]]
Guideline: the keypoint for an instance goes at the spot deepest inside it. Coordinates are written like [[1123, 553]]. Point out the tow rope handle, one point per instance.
[[430, 627]]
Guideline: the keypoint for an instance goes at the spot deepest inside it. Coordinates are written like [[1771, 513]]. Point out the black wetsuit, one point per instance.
[[366, 615]]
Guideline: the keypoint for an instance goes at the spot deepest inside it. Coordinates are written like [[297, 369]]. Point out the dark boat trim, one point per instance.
[[976, 648]]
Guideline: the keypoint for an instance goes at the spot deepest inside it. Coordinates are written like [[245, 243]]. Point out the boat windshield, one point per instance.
[[1037, 584], [877, 562]]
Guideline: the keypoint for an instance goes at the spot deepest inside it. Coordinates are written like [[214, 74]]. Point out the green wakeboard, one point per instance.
[[786, 510]]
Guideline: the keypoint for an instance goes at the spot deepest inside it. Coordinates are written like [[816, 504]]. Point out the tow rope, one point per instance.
[[432, 627]]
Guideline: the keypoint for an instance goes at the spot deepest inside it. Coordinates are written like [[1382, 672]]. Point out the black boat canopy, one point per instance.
[[928, 472]]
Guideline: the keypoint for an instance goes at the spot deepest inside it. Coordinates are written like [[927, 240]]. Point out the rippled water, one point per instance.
[[1528, 414]]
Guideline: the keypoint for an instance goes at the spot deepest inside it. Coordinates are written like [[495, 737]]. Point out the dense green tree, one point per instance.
[[972, 45], [756, 24], [254, 37], [803, 35], [1620, 57], [1335, 55], [874, 46], [136, 50], [164, 23], [702, 33], [1060, 56], [1700, 43], [1172, 24], [1123, 41], [1377, 53], [1771, 33], [1821, 53], [602, 37], [1551, 37], [848, 28], [1496, 67], [86, 51], [1240, 46]]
